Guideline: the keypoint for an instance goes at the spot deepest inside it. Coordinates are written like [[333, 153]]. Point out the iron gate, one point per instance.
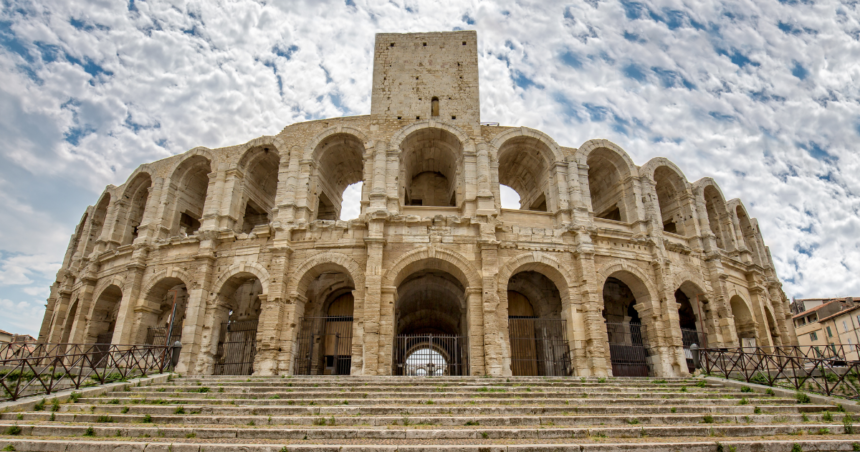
[[158, 336], [691, 337], [539, 347], [428, 355], [325, 346], [628, 349], [237, 346]]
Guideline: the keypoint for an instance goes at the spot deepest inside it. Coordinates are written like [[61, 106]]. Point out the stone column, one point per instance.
[[378, 196], [392, 182], [294, 311], [273, 313], [288, 186], [64, 297], [132, 297], [387, 331], [195, 311], [486, 200], [563, 213], [493, 346], [209, 220], [374, 341], [594, 341], [470, 192], [229, 211], [475, 310], [151, 222]]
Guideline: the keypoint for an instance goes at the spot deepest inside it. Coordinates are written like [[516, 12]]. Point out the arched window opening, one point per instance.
[[236, 320], [79, 232], [536, 330], [191, 182], [164, 319], [430, 315], [103, 320], [606, 185], [434, 107], [669, 189], [137, 196], [716, 208], [691, 318], [69, 323], [524, 164], [747, 232], [341, 166], [771, 325], [324, 345], [351, 205], [260, 187], [98, 222], [430, 168], [744, 323], [510, 198], [628, 345]]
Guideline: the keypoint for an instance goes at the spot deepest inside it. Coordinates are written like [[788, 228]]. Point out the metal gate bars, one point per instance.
[[428, 355], [690, 337], [325, 346], [539, 347], [628, 350], [237, 346]]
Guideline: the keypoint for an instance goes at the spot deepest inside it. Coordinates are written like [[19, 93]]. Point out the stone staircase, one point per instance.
[[281, 414]]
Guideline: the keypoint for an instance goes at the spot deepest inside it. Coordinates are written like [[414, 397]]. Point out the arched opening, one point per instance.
[[351, 205], [430, 325], [260, 187], [536, 330], [136, 196], [524, 164], [716, 208], [670, 188], [692, 313], [434, 107], [189, 183], [747, 232], [70, 323], [103, 320], [628, 345], [162, 319], [325, 336], [510, 197], [341, 164], [79, 232], [744, 323], [771, 325], [237, 315], [606, 171], [98, 222], [430, 162]]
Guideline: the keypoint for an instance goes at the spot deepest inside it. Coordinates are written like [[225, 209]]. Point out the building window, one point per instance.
[[845, 326], [434, 107], [829, 332], [813, 336]]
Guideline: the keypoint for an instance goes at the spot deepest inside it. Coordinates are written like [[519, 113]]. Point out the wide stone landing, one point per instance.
[[441, 414]]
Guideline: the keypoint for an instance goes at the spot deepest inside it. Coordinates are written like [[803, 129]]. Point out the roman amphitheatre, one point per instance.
[[608, 268]]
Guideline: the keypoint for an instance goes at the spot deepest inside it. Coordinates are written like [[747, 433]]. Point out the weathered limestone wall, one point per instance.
[[252, 232]]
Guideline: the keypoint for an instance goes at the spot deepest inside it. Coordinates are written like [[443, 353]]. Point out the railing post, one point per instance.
[[694, 350]]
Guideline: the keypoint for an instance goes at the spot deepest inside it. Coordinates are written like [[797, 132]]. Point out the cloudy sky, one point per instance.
[[761, 95]]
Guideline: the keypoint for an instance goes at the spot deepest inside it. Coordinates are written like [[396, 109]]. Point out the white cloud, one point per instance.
[[24, 317], [762, 96]]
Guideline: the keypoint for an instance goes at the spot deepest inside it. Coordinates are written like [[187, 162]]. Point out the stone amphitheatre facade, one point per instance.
[[238, 252]]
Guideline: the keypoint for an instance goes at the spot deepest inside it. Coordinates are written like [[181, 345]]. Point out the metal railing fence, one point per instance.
[[46, 368]]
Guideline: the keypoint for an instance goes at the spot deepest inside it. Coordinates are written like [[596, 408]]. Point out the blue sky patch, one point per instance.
[[721, 117], [799, 71], [571, 59], [635, 72]]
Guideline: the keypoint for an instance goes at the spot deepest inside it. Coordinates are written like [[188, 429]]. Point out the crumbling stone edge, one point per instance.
[[27, 403]]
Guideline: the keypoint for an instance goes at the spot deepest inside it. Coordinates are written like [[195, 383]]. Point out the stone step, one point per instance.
[[343, 410], [409, 389], [376, 433], [190, 416], [431, 395]]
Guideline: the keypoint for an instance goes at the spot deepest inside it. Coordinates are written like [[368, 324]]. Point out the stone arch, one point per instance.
[[398, 139], [645, 286], [97, 221], [717, 214], [452, 262], [172, 272], [745, 323], [134, 197], [313, 267], [431, 165], [526, 161], [673, 207], [260, 161], [611, 181], [245, 157], [199, 151], [251, 268], [745, 230], [339, 154], [103, 315], [650, 168], [538, 262], [187, 192]]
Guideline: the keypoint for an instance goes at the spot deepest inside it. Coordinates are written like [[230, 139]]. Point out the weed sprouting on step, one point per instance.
[[12, 448], [674, 410], [823, 431], [55, 405], [20, 417], [746, 389], [659, 382], [472, 423], [633, 421], [796, 448], [147, 419], [683, 389], [112, 402], [770, 392], [179, 410], [803, 398], [744, 401], [124, 410], [90, 431], [13, 430], [601, 380], [284, 449], [756, 410], [485, 435], [804, 417], [104, 419], [73, 397], [191, 435], [204, 389], [39, 406], [848, 425], [119, 433], [827, 417], [275, 397], [708, 419], [701, 383], [53, 417]]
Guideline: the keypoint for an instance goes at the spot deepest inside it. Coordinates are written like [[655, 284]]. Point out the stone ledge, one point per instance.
[[816, 399], [27, 403]]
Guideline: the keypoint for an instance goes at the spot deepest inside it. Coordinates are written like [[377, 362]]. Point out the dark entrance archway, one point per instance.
[[537, 332], [431, 332], [628, 347], [237, 315], [325, 337]]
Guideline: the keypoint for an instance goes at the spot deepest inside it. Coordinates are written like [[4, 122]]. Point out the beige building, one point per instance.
[[607, 268]]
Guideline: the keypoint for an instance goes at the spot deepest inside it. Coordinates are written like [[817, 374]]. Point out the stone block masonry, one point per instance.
[[607, 268]]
